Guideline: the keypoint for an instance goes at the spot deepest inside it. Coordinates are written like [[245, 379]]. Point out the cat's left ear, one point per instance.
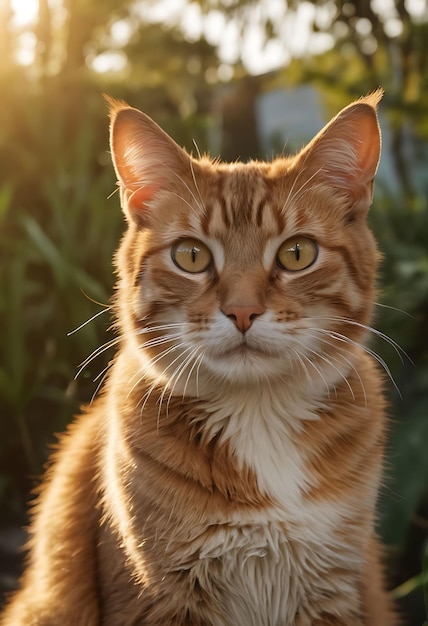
[[145, 158], [345, 154]]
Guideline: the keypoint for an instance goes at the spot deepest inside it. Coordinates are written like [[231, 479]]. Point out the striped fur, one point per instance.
[[228, 473]]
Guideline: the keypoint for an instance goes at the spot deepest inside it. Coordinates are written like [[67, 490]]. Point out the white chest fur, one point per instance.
[[262, 427], [276, 562], [261, 578]]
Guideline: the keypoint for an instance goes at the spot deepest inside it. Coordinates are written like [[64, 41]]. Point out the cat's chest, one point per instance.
[[261, 577], [266, 565], [263, 430]]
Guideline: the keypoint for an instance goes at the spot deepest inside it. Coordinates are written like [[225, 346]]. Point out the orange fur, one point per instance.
[[228, 473]]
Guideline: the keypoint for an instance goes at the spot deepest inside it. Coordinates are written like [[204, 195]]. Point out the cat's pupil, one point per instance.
[[194, 253], [297, 251]]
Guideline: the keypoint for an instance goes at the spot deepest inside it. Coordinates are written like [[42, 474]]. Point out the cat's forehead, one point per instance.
[[256, 199], [238, 179], [235, 196]]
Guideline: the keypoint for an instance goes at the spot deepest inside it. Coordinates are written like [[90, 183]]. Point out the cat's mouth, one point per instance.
[[245, 362], [244, 349]]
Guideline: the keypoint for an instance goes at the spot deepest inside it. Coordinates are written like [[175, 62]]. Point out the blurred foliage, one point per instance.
[[388, 38], [57, 234], [60, 220]]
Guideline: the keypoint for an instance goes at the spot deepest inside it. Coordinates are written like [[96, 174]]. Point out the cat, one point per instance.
[[227, 474]]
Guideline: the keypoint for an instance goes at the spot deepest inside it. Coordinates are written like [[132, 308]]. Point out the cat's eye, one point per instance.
[[297, 253], [191, 256]]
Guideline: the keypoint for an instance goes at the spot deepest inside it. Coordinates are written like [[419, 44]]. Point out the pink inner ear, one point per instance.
[[138, 199], [366, 142], [145, 158], [346, 152]]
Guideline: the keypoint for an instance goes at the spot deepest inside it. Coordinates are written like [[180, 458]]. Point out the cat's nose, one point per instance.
[[243, 316]]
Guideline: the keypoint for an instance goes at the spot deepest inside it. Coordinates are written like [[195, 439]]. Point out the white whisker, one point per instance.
[[301, 357], [175, 375], [393, 308], [301, 190], [151, 329], [197, 148], [197, 373], [197, 202], [369, 351], [202, 204], [150, 363], [91, 319], [341, 374], [398, 349], [196, 364], [95, 353], [177, 195], [344, 359], [117, 190], [116, 340], [144, 399], [157, 341], [178, 373], [102, 375]]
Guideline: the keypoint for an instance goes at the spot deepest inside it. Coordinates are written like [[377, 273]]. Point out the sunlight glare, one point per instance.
[[26, 51], [110, 61], [24, 11]]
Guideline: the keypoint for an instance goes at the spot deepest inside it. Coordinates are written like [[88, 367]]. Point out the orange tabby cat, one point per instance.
[[228, 474]]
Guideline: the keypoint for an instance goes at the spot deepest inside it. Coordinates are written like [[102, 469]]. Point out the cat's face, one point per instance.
[[247, 271]]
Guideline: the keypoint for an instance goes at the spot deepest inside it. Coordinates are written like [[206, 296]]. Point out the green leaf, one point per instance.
[[409, 460], [63, 270]]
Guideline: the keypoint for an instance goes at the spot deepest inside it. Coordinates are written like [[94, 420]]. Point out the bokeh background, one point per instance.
[[239, 78]]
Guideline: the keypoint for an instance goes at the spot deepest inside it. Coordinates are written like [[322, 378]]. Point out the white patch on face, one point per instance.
[[270, 252], [217, 250]]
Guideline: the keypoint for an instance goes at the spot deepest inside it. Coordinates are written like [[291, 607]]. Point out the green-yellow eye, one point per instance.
[[191, 255], [297, 253]]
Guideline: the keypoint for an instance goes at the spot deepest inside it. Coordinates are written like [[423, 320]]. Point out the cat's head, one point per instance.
[[246, 271]]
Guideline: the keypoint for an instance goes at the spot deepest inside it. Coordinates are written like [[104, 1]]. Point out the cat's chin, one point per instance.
[[245, 365]]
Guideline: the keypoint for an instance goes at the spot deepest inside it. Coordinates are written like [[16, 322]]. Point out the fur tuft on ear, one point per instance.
[[345, 154], [145, 158]]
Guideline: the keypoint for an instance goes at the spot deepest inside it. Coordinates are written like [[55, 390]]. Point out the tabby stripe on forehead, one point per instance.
[[260, 209], [224, 213], [264, 205], [210, 215], [206, 218]]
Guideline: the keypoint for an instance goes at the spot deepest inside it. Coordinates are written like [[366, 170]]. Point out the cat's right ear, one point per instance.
[[145, 158]]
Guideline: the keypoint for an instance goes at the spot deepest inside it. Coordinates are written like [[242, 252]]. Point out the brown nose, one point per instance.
[[243, 316]]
